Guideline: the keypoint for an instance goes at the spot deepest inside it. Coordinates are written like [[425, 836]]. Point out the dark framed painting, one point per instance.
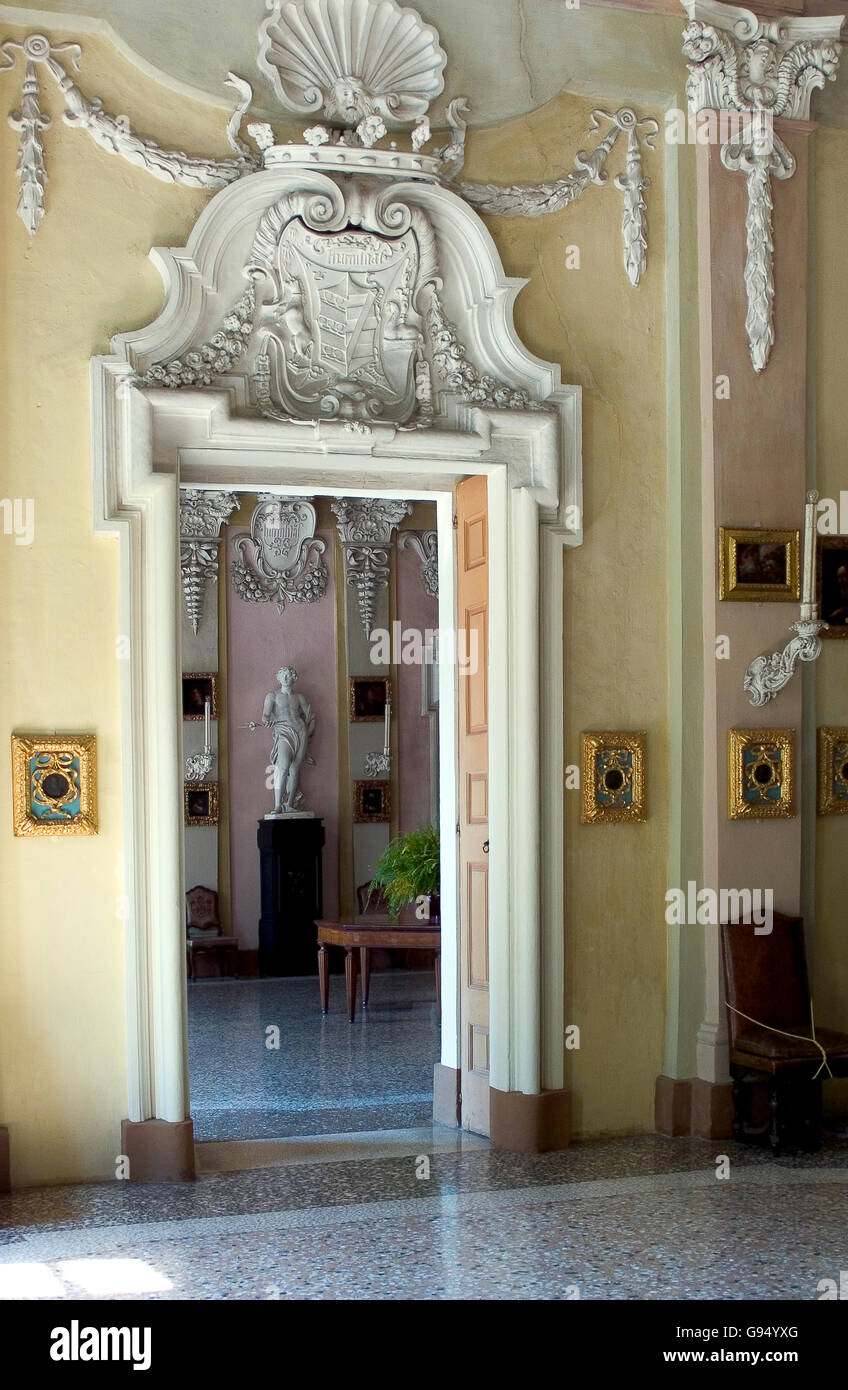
[[367, 698], [832, 584], [372, 803], [759, 566], [198, 687], [201, 803]]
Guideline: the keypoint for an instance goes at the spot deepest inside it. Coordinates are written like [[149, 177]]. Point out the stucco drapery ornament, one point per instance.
[[426, 547], [202, 514], [537, 199], [281, 558], [365, 527], [761, 68], [111, 133]]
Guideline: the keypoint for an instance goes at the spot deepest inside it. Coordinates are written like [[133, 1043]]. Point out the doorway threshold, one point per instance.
[[238, 1155]]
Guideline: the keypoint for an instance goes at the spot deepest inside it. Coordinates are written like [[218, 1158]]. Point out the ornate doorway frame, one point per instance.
[[147, 440]]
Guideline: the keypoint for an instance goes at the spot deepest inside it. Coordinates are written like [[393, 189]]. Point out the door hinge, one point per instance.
[[455, 522], [457, 827]]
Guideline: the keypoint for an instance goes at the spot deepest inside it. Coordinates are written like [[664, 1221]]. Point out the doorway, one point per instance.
[[264, 1062]]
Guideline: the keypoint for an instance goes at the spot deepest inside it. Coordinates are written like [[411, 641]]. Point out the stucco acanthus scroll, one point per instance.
[[281, 558], [425, 544], [535, 200], [761, 69], [202, 514], [112, 133]]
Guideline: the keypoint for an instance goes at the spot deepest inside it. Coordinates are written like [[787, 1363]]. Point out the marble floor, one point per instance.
[[328, 1076], [431, 1214]]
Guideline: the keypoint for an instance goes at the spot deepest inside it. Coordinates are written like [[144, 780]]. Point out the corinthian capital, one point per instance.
[[739, 61]]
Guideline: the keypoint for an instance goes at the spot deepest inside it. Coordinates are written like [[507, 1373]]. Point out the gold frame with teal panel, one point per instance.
[[41, 764], [760, 762]]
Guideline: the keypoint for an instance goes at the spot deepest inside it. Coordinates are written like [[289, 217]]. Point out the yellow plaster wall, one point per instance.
[[86, 275], [609, 339], [828, 942]]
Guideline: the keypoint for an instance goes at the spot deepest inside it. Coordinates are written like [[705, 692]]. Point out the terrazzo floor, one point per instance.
[[432, 1214], [328, 1076]]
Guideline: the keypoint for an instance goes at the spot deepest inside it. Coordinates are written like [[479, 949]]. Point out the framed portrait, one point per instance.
[[757, 566], [832, 585], [54, 784], [201, 803], [833, 770], [367, 697], [372, 802], [198, 687], [759, 774], [612, 777]]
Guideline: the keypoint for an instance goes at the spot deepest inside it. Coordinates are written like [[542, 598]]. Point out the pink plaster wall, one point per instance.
[[259, 641], [415, 609]]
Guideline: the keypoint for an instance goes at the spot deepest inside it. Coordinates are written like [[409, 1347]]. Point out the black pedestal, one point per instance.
[[290, 876]]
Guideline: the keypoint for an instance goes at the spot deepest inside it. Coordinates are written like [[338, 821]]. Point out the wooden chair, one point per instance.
[[204, 934], [770, 1024]]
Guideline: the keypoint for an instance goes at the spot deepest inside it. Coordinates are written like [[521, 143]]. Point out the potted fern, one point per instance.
[[408, 872]]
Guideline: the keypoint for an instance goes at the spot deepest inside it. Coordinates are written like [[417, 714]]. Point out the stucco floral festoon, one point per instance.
[[363, 68], [760, 68]]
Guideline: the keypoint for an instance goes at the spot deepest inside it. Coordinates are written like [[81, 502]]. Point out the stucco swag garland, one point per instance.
[[114, 134]]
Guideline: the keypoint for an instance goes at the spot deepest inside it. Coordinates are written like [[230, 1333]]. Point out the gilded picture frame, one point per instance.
[[54, 784], [832, 760], [760, 774], [200, 800], [759, 566], [372, 803], [832, 585], [612, 777]]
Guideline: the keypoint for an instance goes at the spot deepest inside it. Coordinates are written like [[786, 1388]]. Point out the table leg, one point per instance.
[[324, 978], [365, 965], [350, 981], [437, 970]]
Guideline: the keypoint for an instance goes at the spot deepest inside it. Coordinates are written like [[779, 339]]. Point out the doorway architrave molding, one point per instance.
[[149, 440]]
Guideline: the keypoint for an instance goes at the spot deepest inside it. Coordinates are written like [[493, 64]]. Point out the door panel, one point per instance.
[[473, 616]]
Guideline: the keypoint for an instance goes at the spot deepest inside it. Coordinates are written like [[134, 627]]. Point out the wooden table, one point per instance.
[[366, 936]]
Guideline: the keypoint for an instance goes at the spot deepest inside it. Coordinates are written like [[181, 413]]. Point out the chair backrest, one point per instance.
[[202, 909], [370, 899], [766, 976]]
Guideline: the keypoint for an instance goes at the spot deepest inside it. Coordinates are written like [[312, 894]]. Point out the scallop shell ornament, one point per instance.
[[351, 59]]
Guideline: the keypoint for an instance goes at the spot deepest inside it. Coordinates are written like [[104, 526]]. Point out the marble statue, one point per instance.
[[293, 722]]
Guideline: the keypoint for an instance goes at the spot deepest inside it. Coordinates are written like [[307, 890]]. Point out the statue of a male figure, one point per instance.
[[290, 716]]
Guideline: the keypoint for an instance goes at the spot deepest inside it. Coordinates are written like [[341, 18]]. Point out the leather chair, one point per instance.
[[204, 933], [767, 994]]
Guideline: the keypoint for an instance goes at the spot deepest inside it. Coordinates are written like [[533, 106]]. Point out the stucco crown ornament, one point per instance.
[[351, 59]]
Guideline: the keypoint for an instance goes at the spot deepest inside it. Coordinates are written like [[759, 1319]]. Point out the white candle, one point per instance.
[[808, 591], [388, 719], [208, 708]]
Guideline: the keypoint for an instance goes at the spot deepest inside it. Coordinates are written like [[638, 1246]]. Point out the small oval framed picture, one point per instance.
[[758, 566]]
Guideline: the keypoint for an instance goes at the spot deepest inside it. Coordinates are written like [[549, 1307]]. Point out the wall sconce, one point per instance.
[[767, 675]]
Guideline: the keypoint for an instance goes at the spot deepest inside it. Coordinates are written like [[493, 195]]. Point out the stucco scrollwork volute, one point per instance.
[[761, 69]]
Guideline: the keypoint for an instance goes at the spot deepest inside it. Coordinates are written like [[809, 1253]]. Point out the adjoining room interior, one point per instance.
[[264, 1061]]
